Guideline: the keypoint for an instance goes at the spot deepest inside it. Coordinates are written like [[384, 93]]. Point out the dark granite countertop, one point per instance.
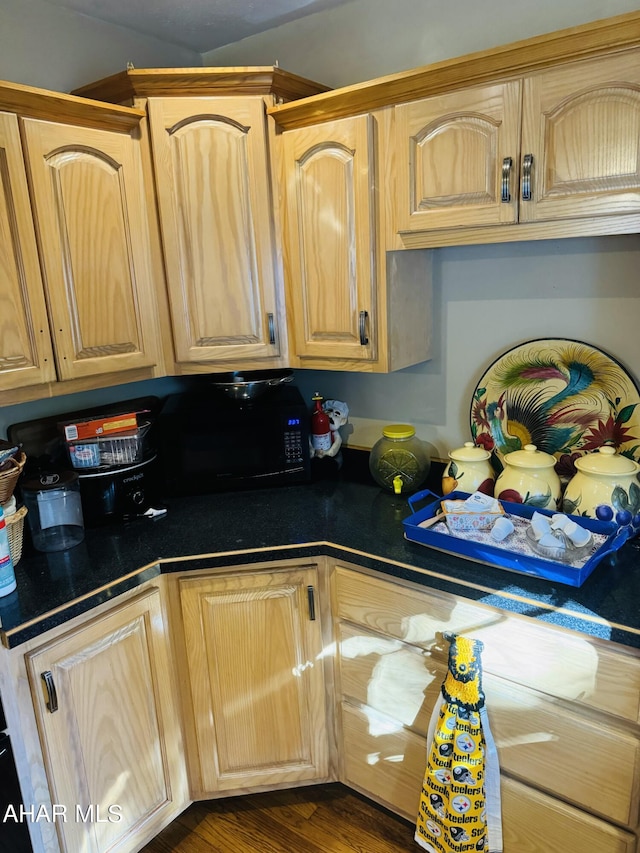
[[353, 521]]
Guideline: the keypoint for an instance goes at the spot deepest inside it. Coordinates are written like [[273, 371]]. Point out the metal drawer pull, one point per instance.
[[507, 163], [272, 328], [527, 165], [312, 603], [364, 340], [52, 696]]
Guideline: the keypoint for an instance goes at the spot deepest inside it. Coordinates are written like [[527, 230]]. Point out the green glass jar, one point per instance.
[[399, 461]]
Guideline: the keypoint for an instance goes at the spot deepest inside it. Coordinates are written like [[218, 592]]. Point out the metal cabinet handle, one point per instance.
[[527, 165], [364, 340], [312, 603], [52, 696], [507, 163], [272, 328]]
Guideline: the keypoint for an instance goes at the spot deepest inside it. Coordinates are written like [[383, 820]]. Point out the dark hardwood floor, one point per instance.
[[318, 819]]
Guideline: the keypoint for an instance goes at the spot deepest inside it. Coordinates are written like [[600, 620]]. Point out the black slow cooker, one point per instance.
[[119, 493]]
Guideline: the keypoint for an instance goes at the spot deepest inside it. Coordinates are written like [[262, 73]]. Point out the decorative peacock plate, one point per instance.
[[566, 397]]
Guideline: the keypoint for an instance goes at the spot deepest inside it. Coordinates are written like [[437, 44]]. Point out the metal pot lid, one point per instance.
[[248, 377], [530, 457], [470, 453], [48, 480], [606, 461]]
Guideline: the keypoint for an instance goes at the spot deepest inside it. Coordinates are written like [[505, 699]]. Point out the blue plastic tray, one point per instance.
[[500, 557]]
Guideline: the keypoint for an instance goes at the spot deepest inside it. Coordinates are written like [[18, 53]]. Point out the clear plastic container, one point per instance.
[[54, 510], [124, 448], [7, 574], [399, 460]]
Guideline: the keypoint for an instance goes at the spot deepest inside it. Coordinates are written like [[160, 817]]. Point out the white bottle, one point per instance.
[[7, 574]]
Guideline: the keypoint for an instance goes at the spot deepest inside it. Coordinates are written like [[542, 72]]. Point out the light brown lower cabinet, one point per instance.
[[109, 728], [289, 674], [256, 686], [570, 772], [385, 761]]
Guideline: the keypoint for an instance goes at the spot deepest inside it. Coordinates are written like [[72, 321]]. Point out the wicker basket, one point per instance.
[[9, 478], [15, 530]]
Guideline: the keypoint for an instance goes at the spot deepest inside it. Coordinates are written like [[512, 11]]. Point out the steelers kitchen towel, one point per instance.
[[460, 800]]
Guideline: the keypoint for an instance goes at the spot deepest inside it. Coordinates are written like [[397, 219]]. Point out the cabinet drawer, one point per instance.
[[554, 661], [558, 751], [383, 759], [387, 762], [537, 740], [535, 823], [389, 676]]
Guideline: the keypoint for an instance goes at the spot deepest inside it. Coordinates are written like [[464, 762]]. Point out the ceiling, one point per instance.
[[201, 25]]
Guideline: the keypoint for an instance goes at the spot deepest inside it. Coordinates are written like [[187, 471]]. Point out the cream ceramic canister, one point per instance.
[[605, 485], [469, 470], [529, 477]]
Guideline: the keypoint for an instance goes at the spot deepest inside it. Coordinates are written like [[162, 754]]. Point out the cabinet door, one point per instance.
[[112, 744], [451, 152], [93, 232], [255, 669], [581, 125], [26, 357], [331, 238], [214, 196]]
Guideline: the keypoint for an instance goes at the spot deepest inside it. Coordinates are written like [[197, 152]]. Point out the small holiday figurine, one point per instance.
[[326, 420]]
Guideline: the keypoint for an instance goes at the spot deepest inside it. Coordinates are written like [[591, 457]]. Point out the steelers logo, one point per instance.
[[434, 829], [443, 776], [461, 804], [465, 743]]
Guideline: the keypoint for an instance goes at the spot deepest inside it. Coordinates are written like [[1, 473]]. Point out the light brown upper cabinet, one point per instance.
[[449, 154], [26, 354], [350, 311], [86, 207], [561, 144], [581, 126], [330, 173], [210, 139], [92, 224], [214, 199]]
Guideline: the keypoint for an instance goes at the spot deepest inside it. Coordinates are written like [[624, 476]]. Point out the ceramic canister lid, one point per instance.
[[607, 462], [530, 457], [469, 453]]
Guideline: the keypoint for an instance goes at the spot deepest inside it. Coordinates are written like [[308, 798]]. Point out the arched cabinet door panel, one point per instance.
[[214, 198], [451, 152], [91, 221], [331, 239], [581, 123]]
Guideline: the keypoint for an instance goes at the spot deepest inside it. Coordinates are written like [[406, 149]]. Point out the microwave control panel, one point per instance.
[[293, 442]]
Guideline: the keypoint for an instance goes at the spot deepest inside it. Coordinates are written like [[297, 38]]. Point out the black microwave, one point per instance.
[[210, 443]]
